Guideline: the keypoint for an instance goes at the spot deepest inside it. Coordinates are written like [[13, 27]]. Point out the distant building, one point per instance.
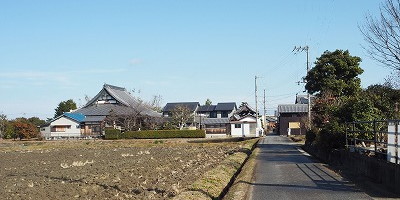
[[270, 122], [303, 99], [64, 126], [169, 107], [89, 121], [221, 110], [212, 118], [215, 118], [292, 117], [244, 122]]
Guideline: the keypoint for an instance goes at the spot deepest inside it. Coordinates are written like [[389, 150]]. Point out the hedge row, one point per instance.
[[112, 134]]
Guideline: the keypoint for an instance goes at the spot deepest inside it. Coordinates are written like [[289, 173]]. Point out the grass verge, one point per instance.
[[241, 186], [215, 183]]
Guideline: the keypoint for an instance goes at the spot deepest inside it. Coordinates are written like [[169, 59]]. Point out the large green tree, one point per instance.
[[335, 73], [384, 98], [36, 121], [65, 106]]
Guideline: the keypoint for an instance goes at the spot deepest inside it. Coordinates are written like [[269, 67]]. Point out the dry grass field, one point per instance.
[[129, 169]]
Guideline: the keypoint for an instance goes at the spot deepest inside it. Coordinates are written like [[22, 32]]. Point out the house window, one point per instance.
[[60, 128], [224, 114], [96, 129], [238, 126], [213, 115]]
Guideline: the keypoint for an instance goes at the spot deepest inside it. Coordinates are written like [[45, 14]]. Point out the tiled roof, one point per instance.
[[127, 104], [105, 109], [206, 108], [293, 108], [216, 121], [171, 106], [226, 106], [303, 99], [271, 118], [244, 111], [94, 118]]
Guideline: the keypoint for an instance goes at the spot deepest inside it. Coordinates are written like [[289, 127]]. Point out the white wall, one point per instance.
[[73, 131], [244, 130], [391, 149], [248, 127], [236, 131]]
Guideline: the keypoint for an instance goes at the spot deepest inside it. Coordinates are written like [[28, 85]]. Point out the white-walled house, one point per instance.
[[244, 122], [64, 126], [244, 127]]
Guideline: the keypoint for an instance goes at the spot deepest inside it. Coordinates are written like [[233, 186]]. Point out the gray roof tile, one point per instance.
[[171, 106], [293, 108], [126, 104], [206, 108], [226, 106], [216, 121]]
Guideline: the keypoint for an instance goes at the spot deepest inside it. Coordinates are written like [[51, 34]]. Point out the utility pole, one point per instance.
[[265, 112], [255, 92], [306, 49]]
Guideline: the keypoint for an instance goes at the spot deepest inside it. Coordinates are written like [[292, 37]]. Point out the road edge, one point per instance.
[[215, 183]]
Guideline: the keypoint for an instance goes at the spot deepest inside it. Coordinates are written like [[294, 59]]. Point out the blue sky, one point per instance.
[[51, 51]]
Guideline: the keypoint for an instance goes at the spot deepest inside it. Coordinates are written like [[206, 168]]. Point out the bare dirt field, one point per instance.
[[131, 169]]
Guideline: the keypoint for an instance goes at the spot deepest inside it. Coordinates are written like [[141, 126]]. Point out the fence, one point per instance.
[[376, 138]]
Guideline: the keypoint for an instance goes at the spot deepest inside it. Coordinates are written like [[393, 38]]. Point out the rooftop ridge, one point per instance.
[[113, 87]]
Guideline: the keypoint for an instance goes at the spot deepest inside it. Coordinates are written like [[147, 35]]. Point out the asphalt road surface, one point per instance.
[[283, 172]]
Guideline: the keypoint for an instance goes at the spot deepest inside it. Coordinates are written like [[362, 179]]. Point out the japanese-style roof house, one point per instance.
[[244, 122], [110, 99], [169, 107], [215, 118]]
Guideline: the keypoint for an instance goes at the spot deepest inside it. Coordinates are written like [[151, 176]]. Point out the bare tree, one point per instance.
[[155, 103], [181, 115], [383, 35], [393, 80], [112, 119]]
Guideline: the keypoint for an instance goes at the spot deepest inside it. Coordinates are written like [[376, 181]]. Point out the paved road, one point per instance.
[[283, 172]]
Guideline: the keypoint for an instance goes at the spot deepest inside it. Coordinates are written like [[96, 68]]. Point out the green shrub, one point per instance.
[[331, 136], [112, 134], [311, 135], [158, 134], [158, 141]]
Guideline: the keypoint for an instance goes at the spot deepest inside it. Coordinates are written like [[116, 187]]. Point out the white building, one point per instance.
[[64, 126], [244, 127], [244, 122]]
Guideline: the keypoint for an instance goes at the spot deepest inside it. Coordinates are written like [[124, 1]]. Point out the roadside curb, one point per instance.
[[216, 182]]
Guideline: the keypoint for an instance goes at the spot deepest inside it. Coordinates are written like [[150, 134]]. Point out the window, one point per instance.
[[213, 114], [59, 128], [224, 114], [238, 126]]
